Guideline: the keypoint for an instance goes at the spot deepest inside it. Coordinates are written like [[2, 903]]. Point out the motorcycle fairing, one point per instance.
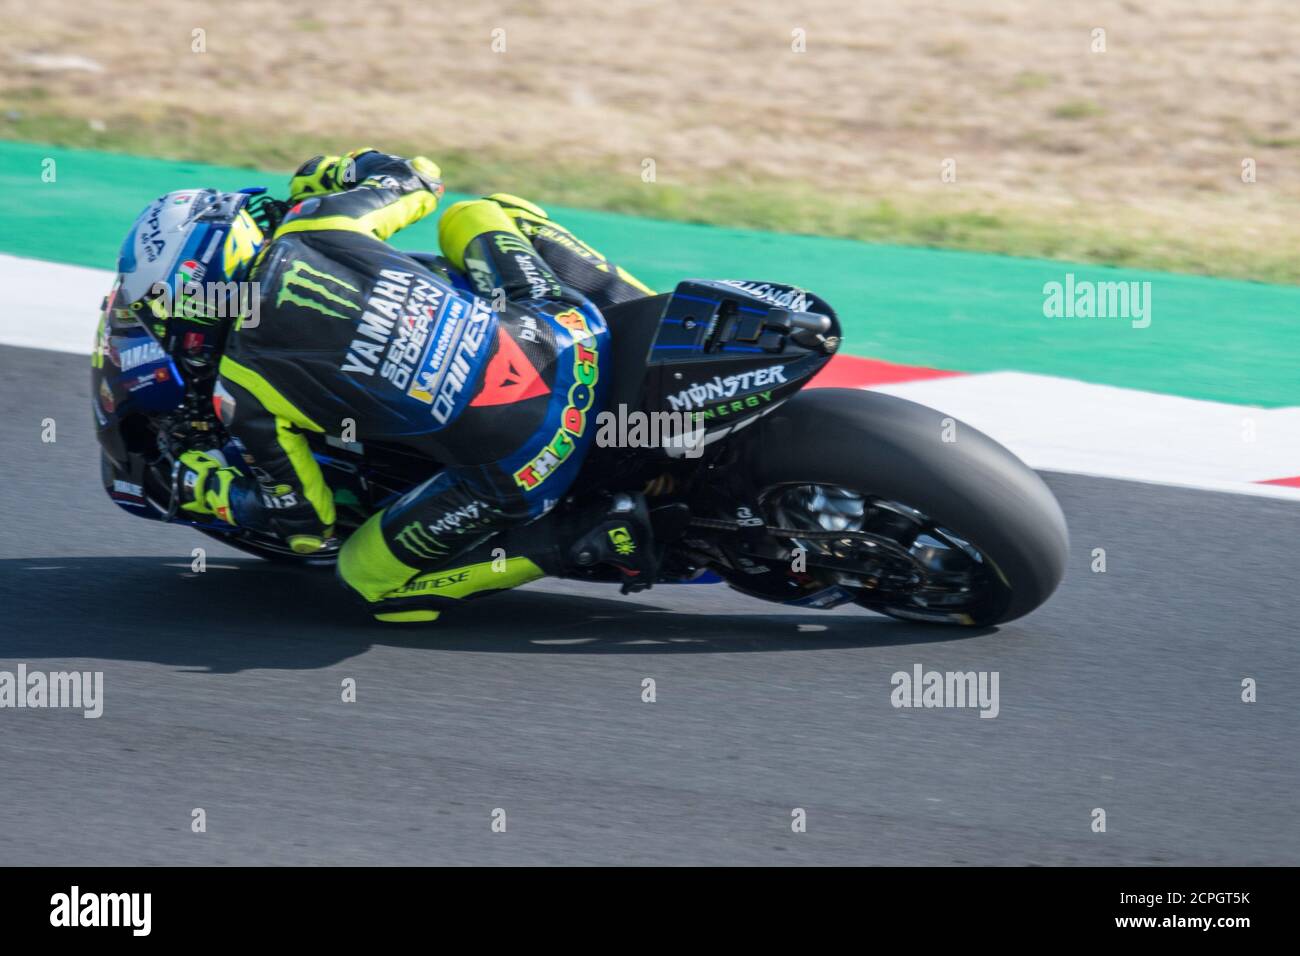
[[723, 353]]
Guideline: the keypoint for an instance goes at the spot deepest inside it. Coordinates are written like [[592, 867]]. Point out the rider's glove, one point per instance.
[[428, 172], [205, 484], [209, 487], [331, 174], [267, 211], [318, 176]]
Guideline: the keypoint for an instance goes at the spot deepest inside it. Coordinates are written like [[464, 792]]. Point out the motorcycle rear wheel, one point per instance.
[[986, 538]]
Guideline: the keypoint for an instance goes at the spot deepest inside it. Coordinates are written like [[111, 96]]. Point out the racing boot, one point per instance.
[[492, 566], [430, 544], [620, 535]]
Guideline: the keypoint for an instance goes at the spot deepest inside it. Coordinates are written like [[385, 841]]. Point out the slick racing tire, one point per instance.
[[994, 519]]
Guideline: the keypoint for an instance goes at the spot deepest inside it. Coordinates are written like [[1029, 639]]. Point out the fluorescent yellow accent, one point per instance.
[[380, 223], [533, 210], [265, 392], [556, 233], [209, 500], [314, 183], [219, 500], [97, 356], [634, 281], [368, 566], [464, 222], [242, 242], [200, 461], [476, 578], [158, 306], [407, 617], [305, 543], [305, 467], [288, 419], [533, 213], [398, 215], [323, 224], [426, 167]]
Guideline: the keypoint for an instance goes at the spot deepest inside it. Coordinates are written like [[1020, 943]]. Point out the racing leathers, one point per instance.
[[356, 341]]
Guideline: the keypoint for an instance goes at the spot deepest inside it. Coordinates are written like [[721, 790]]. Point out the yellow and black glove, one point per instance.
[[321, 175], [267, 211], [205, 484], [210, 487]]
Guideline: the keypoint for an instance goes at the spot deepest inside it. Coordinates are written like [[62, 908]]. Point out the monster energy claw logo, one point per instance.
[[416, 539], [319, 291]]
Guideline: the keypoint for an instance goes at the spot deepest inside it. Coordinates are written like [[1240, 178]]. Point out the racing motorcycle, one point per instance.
[[808, 497]]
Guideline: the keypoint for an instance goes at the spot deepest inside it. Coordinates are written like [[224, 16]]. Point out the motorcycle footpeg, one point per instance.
[[622, 537]]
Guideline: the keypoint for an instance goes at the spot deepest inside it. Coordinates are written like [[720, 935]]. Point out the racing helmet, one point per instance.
[[182, 271]]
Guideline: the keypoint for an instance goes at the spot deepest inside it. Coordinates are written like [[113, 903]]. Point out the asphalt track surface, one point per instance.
[[222, 690]]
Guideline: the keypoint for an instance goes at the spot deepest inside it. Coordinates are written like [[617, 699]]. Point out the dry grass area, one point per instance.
[[1132, 155]]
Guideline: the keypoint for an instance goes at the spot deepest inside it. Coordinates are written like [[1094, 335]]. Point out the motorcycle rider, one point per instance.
[[357, 341]]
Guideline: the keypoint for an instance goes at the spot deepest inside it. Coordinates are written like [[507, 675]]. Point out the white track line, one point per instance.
[[1059, 424], [50, 306]]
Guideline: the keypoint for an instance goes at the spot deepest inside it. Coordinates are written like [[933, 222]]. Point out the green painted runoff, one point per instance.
[[1217, 339]]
